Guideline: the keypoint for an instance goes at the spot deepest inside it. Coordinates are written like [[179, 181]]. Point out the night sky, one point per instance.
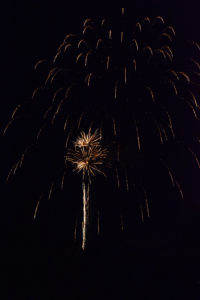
[[158, 258]]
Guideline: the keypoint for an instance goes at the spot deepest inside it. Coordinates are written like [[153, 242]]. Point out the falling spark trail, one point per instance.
[[172, 30], [148, 48], [86, 57], [122, 37], [162, 52], [65, 124], [81, 42], [174, 74], [50, 191], [185, 76], [194, 156], [125, 75], [114, 127], [68, 46], [10, 173], [62, 181], [22, 159], [168, 51], [138, 25], [61, 47], [160, 18], [167, 35], [107, 62], [79, 56], [101, 132], [138, 137], [159, 131], [136, 44], [16, 167], [35, 92], [169, 172], [13, 169], [168, 55], [86, 22], [147, 19], [115, 89], [196, 63], [39, 133], [15, 110], [55, 94], [59, 106], [170, 123], [190, 106], [174, 87], [142, 213], [8, 125], [179, 188], [56, 56], [197, 45], [51, 73], [194, 99], [36, 209], [53, 118], [147, 204], [66, 143], [38, 63], [164, 133], [54, 75], [80, 119], [48, 110], [100, 41], [86, 28], [89, 79], [151, 93]]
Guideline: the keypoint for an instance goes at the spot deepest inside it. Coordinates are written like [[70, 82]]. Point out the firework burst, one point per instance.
[[130, 81], [88, 140], [88, 158]]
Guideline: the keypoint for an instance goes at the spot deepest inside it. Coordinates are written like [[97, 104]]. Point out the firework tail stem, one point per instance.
[[85, 222]]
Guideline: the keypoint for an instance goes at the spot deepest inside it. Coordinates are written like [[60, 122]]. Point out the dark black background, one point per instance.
[[165, 266]]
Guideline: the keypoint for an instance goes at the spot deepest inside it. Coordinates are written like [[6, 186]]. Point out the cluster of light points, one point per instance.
[[88, 156]]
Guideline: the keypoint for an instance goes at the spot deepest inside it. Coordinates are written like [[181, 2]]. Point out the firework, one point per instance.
[[128, 81], [88, 140], [88, 156], [89, 159]]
